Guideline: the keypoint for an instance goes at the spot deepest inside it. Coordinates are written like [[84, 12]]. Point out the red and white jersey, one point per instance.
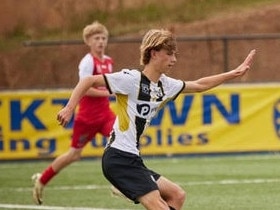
[[94, 109]]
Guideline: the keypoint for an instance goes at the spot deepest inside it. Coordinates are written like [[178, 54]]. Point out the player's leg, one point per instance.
[[41, 180], [153, 201], [139, 185], [106, 129], [172, 193], [82, 133], [62, 161], [107, 124]]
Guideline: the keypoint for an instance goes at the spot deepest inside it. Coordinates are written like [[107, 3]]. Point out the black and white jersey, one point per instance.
[[137, 101]]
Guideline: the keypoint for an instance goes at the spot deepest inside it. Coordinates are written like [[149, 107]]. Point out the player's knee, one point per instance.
[[181, 196], [73, 156], [178, 197], [153, 200], [156, 204]]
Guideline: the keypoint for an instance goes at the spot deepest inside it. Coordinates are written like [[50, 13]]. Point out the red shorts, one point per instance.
[[84, 132]]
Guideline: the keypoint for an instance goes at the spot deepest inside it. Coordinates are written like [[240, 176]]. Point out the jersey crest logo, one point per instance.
[[145, 89]]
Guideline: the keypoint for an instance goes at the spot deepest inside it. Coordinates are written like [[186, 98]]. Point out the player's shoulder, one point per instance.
[[127, 74], [131, 72], [107, 57], [86, 61], [170, 83], [87, 57], [165, 78]]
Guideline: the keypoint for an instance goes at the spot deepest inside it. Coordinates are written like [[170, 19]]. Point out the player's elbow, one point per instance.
[[198, 88]]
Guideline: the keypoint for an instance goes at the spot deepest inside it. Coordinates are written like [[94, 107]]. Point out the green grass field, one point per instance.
[[238, 182]]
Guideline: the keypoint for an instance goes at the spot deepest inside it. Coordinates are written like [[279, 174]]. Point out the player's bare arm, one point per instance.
[[65, 114], [94, 92], [209, 82]]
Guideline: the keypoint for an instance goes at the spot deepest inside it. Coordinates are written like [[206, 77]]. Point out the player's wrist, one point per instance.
[[70, 107]]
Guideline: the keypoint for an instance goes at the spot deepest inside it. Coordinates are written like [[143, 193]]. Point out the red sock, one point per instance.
[[47, 175]]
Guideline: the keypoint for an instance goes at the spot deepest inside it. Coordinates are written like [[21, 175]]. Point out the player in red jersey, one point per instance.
[[94, 114]]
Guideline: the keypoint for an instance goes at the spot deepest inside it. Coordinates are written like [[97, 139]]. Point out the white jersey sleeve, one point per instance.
[[173, 86], [121, 82], [86, 66]]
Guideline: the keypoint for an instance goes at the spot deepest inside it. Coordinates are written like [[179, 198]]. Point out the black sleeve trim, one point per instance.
[[107, 84], [183, 87]]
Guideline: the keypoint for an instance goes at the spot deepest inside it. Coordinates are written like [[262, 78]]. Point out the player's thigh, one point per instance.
[[127, 172], [83, 133], [107, 125], [167, 188]]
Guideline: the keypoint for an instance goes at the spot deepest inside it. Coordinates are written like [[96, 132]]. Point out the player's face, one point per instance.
[[98, 43], [166, 60]]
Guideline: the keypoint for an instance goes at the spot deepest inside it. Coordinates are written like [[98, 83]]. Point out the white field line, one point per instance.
[[16, 206], [235, 157], [96, 187], [100, 187], [231, 182], [77, 187]]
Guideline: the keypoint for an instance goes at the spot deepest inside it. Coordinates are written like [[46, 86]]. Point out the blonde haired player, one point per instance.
[[140, 94], [94, 114]]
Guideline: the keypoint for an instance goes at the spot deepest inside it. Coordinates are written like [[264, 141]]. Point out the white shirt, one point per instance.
[[138, 100]]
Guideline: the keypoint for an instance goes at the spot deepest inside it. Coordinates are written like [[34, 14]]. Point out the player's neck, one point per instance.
[[98, 55], [151, 74]]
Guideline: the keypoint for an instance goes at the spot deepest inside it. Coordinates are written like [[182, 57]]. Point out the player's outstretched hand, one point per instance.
[[64, 116], [245, 66]]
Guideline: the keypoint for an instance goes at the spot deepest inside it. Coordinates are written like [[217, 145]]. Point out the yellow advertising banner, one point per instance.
[[227, 119]]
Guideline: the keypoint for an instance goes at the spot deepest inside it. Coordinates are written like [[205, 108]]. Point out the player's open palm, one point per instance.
[[245, 66]]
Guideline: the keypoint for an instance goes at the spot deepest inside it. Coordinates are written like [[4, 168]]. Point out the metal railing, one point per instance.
[[225, 39]]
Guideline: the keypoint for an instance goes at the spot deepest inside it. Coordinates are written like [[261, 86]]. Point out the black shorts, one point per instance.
[[127, 172]]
